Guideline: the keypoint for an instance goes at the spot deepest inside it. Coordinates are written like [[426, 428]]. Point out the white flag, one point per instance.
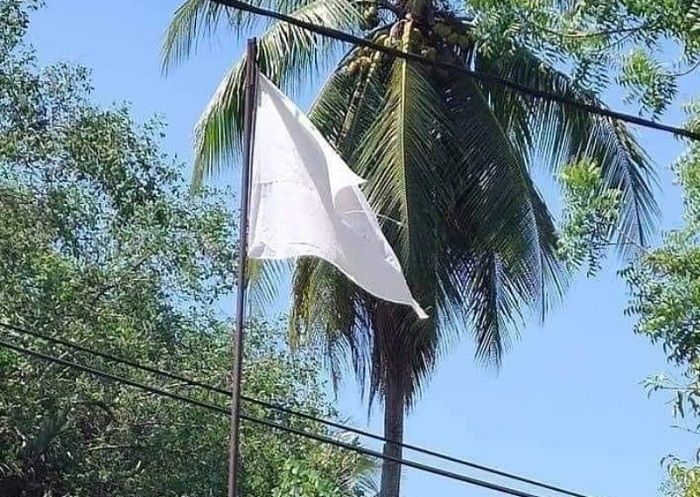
[[305, 201]]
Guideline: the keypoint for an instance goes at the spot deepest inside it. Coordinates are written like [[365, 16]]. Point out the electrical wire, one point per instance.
[[478, 75], [270, 424], [279, 408], [111, 377]]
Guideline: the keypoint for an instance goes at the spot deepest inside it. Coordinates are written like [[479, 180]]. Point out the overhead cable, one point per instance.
[[270, 424], [481, 76], [280, 408]]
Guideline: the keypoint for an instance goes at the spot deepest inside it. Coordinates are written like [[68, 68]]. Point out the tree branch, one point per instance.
[[111, 447], [687, 71], [595, 34], [106, 288]]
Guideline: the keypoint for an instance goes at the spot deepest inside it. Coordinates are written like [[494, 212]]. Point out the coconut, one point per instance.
[[382, 39]]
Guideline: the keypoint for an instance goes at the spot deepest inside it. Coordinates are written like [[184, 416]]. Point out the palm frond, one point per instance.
[[192, 21], [401, 156], [560, 134], [398, 157], [346, 107], [330, 311], [397, 152], [196, 20], [265, 281], [500, 238], [217, 138], [496, 306], [287, 55]]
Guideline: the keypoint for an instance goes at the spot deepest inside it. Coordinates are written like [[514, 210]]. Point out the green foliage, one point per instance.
[[312, 478], [590, 214], [649, 84], [101, 243], [665, 300], [666, 281], [303, 482], [684, 480], [603, 42]]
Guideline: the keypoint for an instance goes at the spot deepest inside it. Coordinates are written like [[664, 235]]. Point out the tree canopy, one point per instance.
[[664, 286], [101, 243], [643, 46]]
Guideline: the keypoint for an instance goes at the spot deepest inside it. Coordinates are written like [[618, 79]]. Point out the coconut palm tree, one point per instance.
[[448, 162]]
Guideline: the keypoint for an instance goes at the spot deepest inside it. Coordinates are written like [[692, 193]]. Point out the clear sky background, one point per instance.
[[567, 406]]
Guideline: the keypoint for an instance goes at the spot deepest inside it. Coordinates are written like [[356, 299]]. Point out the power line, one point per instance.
[[270, 424], [280, 408], [111, 377], [113, 358], [277, 407], [405, 462], [478, 75]]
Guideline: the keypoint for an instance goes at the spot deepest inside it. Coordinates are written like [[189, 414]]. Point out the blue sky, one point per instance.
[[567, 406]]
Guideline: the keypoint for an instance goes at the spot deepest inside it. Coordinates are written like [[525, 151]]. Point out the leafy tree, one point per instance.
[[645, 46], [664, 286], [101, 243], [448, 160], [637, 38], [590, 213], [684, 480]]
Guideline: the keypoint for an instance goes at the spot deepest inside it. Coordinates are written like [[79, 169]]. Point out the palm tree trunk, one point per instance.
[[394, 404]]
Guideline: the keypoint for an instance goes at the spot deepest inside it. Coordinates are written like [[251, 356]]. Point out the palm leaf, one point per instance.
[[192, 21], [195, 20], [346, 107], [500, 238], [560, 134], [287, 55], [400, 156], [397, 153], [330, 311], [266, 279]]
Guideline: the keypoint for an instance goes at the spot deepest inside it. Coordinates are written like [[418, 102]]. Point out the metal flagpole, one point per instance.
[[248, 132]]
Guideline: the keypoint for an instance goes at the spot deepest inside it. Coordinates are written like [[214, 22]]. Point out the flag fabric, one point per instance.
[[305, 201]]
